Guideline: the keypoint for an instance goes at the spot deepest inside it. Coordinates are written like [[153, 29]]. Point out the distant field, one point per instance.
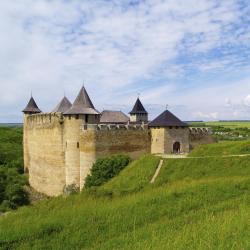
[[233, 124], [11, 124]]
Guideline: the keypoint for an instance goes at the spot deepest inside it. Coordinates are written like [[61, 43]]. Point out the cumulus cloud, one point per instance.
[[247, 100], [163, 49]]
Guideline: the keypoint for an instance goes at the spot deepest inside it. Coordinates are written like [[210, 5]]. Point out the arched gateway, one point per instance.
[[176, 147]]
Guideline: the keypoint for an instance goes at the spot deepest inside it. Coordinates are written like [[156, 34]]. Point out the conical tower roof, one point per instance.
[[32, 107], [82, 105], [167, 119], [138, 108], [63, 105]]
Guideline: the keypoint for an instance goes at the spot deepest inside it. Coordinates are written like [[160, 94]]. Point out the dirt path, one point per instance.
[[201, 157], [157, 171]]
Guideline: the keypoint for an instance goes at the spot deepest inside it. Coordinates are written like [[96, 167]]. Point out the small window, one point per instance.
[[77, 117], [170, 127], [69, 117], [176, 127], [77, 144]]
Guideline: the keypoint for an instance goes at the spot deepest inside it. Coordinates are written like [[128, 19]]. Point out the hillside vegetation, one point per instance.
[[193, 204], [12, 181]]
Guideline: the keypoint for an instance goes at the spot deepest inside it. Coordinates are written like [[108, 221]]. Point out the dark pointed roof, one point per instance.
[[63, 105], [138, 108], [32, 107], [108, 116], [82, 105], [167, 119]]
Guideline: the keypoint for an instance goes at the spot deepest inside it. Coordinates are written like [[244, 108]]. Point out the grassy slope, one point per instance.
[[194, 204], [223, 148]]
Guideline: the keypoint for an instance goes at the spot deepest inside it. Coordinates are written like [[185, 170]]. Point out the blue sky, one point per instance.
[[193, 55]]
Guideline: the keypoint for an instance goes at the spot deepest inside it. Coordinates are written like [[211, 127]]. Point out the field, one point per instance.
[[195, 203], [226, 124]]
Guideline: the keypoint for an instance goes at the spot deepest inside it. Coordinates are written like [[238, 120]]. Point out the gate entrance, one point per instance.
[[176, 147]]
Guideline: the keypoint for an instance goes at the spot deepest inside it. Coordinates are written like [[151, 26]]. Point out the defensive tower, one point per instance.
[[169, 134], [79, 115], [138, 114], [30, 109]]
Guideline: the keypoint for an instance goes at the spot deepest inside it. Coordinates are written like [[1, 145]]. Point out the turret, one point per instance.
[[81, 113], [138, 114], [30, 109]]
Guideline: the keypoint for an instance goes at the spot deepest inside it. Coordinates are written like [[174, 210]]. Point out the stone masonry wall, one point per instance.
[[44, 153], [95, 144], [176, 135], [200, 136], [163, 139]]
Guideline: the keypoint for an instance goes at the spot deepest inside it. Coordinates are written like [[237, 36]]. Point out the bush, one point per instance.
[[12, 193], [106, 168]]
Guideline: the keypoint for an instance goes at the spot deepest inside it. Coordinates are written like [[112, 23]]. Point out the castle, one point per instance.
[[60, 147]]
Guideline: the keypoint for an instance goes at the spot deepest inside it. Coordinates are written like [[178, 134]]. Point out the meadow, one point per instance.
[[225, 124], [195, 203], [201, 202]]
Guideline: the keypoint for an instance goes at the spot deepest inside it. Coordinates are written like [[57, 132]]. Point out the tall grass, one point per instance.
[[222, 148], [194, 204]]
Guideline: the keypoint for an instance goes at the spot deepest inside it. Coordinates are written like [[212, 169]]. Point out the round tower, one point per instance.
[[30, 109], [77, 117]]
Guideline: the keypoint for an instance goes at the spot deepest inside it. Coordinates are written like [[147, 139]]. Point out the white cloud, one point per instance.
[[247, 101], [118, 50]]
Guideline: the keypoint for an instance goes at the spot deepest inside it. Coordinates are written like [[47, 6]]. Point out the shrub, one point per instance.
[[106, 168], [12, 193]]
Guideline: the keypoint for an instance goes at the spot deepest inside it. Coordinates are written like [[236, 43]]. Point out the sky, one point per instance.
[[192, 55]]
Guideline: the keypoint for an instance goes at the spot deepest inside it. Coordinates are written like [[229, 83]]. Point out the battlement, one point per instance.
[[200, 130], [104, 127], [44, 119]]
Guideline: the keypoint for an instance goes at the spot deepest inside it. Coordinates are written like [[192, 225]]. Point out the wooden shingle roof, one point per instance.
[[31, 107], [138, 108], [63, 106], [167, 119], [82, 105], [108, 116]]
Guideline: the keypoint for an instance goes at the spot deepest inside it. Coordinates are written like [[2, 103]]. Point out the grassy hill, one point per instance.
[[195, 203], [223, 148]]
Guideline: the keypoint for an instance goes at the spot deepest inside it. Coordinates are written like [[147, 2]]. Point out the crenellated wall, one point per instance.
[[44, 152], [200, 135], [98, 141], [60, 150]]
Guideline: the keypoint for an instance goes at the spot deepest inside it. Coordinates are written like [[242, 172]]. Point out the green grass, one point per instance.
[[223, 148], [194, 204], [232, 125], [133, 178]]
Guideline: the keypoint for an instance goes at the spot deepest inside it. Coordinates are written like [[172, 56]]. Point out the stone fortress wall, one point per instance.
[[60, 147], [59, 152], [44, 152], [199, 136]]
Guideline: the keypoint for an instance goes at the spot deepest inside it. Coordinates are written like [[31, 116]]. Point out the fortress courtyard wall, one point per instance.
[[44, 152]]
